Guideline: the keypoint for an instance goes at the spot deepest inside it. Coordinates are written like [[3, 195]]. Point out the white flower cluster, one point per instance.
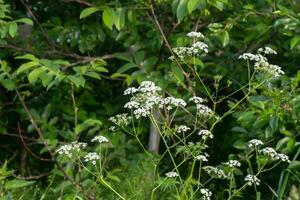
[[202, 158], [146, 87], [194, 34], [172, 174], [233, 163], [196, 100], [174, 102], [146, 97], [91, 157], [267, 50], [204, 110], [100, 139], [67, 149], [254, 142], [120, 119], [251, 179], [206, 194], [196, 48], [273, 155], [182, 129], [261, 63], [214, 172], [205, 134]]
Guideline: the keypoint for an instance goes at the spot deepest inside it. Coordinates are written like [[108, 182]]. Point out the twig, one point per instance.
[[32, 177], [28, 149]]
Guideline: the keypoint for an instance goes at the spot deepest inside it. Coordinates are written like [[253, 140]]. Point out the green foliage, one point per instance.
[[65, 64]]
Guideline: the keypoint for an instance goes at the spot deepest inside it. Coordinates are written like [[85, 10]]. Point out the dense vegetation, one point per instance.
[[158, 99]]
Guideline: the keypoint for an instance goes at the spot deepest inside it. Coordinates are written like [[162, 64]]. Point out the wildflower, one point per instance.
[[182, 129], [197, 47], [233, 163], [112, 128], [196, 100], [205, 134], [194, 34], [120, 119], [206, 194], [91, 157], [69, 148], [141, 112], [273, 155], [202, 158], [171, 101], [252, 179], [131, 105], [204, 110], [130, 90], [267, 50], [214, 172], [100, 139], [254, 142], [172, 174], [261, 63]]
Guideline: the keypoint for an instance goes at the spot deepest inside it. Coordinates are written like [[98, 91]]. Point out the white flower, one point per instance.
[[130, 90], [131, 105], [196, 100], [267, 50], [112, 128], [69, 148], [140, 112], [251, 179], [172, 174], [233, 163], [254, 142], [204, 110], [148, 87], [205, 134], [194, 34], [197, 47], [206, 194], [214, 172], [202, 158], [100, 139], [171, 101], [120, 119], [182, 129], [273, 155], [92, 156]]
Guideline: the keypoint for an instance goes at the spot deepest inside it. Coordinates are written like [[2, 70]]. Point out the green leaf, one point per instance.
[[77, 80], [8, 84], [225, 38], [193, 5], [16, 183], [26, 66], [126, 67], [120, 18], [181, 9], [294, 165], [177, 72], [274, 123], [25, 21], [100, 69], [108, 17], [35, 74], [294, 41], [12, 29], [28, 57], [87, 12], [87, 124]]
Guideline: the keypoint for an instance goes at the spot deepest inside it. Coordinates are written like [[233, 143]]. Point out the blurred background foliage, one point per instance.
[[64, 56]]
